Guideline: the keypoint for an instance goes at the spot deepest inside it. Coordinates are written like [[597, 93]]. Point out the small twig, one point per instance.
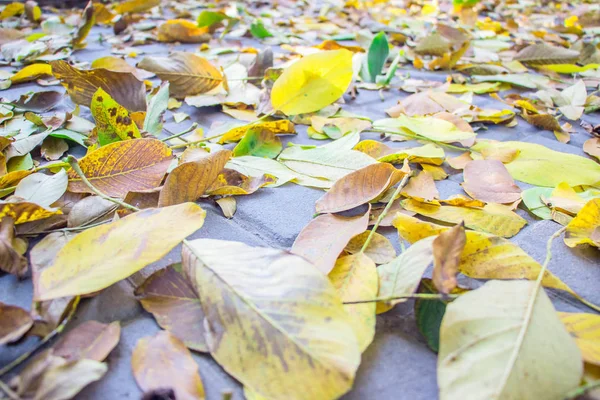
[[51, 165], [75, 165], [176, 135], [422, 296], [581, 390], [9, 392], [385, 211], [45, 340], [74, 229]]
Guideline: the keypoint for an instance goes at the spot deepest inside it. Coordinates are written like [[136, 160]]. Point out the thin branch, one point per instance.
[[176, 135], [581, 390], [9, 392], [42, 342], [422, 296]]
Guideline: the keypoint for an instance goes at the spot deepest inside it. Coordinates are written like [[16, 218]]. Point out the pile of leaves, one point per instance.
[[91, 198]]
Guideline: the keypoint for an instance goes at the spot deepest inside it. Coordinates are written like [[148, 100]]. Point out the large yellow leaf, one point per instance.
[[491, 219], [122, 167], [534, 162], [315, 81], [273, 321], [505, 341], [103, 255], [81, 85], [585, 227], [355, 278], [187, 73], [585, 328], [113, 121]]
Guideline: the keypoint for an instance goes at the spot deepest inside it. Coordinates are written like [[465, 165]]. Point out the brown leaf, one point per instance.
[[90, 340], [325, 237], [422, 187], [170, 297], [81, 85], [90, 210], [490, 181], [53, 148], [189, 181], [380, 250], [233, 183], [592, 147], [14, 323], [447, 248], [163, 361], [187, 73], [182, 30], [542, 54], [39, 101], [542, 121], [122, 167], [10, 260], [358, 187], [117, 64]]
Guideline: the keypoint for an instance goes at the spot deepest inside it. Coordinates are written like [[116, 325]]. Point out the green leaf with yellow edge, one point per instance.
[[313, 82], [136, 6], [513, 330], [106, 254], [428, 127], [31, 73], [585, 227], [23, 211], [533, 163], [493, 218], [428, 154], [122, 167], [258, 142], [113, 121], [355, 278], [585, 329], [255, 301]]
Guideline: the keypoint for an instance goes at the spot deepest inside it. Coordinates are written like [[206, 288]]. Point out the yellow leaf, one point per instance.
[[533, 161], [493, 219], [429, 153], [31, 72], [585, 329], [277, 126], [233, 183], [355, 278], [12, 10], [113, 121], [23, 211], [585, 227], [315, 81], [181, 30], [136, 6], [255, 300], [380, 249], [103, 255], [122, 167], [87, 22], [570, 68]]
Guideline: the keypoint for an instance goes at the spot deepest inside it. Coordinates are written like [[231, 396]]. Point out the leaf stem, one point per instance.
[[176, 135], [403, 183], [581, 390], [45, 340], [422, 296], [9, 392], [73, 229], [75, 165], [51, 165]]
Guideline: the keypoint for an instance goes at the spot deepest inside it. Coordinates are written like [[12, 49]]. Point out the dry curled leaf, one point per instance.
[[15, 322], [447, 249]]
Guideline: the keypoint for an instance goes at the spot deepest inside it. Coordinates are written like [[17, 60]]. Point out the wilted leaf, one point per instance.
[[380, 250], [170, 297], [163, 361], [447, 249], [422, 187], [190, 180], [277, 126], [91, 340], [118, 64], [181, 30], [81, 267], [187, 73], [113, 121], [265, 293], [121, 167], [15, 322], [24, 211], [325, 237], [585, 329], [542, 54], [136, 6], [90, 210], [313, 82], [258, 167], [355, 278], [232, 183], [43, 189], [512, 329], [592, 147], [11, 260], [585, 227], [81, 85], [359, 187], [489, 181], [87, 21], [65, 381]]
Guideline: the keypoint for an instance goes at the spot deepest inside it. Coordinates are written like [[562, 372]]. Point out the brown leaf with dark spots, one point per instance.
[[189, 181], [10, 260], [325, 237], [90, 340], [447, 248], [14, 323], [163, 362], [490, 181], [169, 296], [81, 85], [359, 187]]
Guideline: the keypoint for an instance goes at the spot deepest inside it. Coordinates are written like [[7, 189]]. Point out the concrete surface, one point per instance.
[[398, 365]]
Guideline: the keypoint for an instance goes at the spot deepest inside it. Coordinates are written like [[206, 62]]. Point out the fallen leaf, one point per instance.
[[585, 227], [232, 183], [53, 148], [592, 147], [91, 340], [429, 127], [14, 324], [157, 105], [113, 121], [421, 187], [136, 6], [325, 237], [85, 26], [380, 250], [489, 181], [43, 189], [171, 298], [177, 371], [187, 73], [543, 53], [135, 241], [232, 280], [447, 249], [65, 381], [121, 167], [181, 30], [585, 329], [277, 126], [118, 64], [259, 142], [24, 211], [313, 82], [11, 260], [31, 72]]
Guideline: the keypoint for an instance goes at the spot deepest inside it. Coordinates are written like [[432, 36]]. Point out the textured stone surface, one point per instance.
[[398, 365]]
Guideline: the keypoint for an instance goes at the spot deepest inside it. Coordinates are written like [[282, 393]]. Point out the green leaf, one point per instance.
[[377, 55], [258, 142], [429, 314], [113, 121], [258, 30], [209, 18], [157, 105]]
